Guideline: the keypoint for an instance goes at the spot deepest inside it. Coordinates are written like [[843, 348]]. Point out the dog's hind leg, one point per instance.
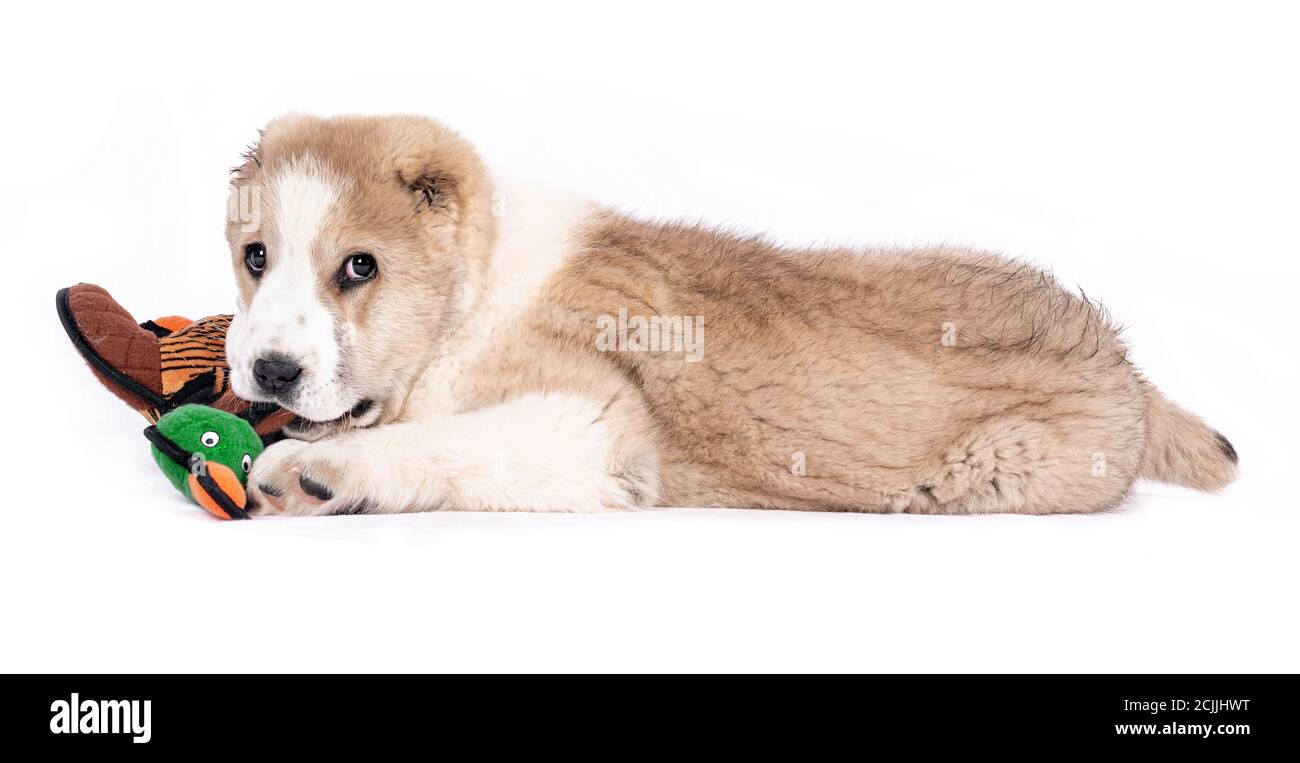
[[1045, 461]]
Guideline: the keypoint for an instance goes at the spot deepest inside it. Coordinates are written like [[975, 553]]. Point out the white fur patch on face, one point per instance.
[[286, 316]]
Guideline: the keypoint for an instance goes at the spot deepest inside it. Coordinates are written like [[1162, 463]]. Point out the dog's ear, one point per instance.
[[433, 190], [439, 169]]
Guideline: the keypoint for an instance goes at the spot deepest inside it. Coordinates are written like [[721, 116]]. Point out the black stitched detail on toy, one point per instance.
[[155, 329], [93, 358], [214, 491], [171, 450], [200, 390]]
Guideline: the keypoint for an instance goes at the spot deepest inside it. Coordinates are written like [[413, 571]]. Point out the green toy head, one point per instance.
[[207, 453]]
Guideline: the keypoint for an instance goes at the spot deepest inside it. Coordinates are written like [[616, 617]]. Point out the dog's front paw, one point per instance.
[[299, 478]]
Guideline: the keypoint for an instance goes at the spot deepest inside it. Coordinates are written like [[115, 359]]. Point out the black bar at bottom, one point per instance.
[[620, 715]]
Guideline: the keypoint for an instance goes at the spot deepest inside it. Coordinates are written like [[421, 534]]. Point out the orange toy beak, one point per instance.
[[229, 484]]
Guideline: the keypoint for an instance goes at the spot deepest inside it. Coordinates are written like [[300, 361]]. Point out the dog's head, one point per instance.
[[352, 241]]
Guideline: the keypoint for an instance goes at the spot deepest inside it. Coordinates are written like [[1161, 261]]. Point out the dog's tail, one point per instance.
[[1182, 449]]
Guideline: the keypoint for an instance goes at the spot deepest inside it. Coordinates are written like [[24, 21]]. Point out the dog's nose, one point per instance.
[[276, 374]]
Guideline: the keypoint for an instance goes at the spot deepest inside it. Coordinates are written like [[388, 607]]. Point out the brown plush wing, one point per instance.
[[122, 355], [153, 373]]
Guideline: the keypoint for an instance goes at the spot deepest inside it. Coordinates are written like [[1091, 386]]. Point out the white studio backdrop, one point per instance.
[[1144, 151]]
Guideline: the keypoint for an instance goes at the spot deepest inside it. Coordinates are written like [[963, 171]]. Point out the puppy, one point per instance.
[[449, 341]]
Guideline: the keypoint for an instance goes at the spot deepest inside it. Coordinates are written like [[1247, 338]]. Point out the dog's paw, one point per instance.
[[298, 478]]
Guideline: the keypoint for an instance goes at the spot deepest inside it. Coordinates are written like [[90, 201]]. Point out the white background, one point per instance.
[[1147, 152]]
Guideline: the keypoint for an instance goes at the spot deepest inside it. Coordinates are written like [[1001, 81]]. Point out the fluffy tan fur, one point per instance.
[[929, 381]]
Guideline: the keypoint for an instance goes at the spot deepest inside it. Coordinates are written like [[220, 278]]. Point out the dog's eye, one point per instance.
[[359, 267], [255, 258]]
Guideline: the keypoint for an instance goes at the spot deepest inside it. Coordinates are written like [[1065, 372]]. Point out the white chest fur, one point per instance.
[[535, 237]]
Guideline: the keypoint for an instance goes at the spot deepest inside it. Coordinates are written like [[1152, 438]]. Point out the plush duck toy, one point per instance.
[[207, 453], [173, 371]]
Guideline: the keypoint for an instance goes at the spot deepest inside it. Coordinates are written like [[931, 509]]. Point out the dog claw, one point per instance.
[[314, 489]]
